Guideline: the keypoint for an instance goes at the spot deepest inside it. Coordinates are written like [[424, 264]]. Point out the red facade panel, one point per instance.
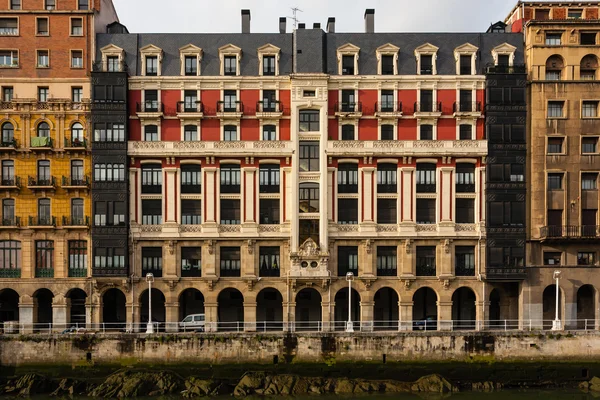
[[446, 129], [249, 98], [368, 98], [209, 101], [211, 130], [367, 129], [249, 129], [171, 130]]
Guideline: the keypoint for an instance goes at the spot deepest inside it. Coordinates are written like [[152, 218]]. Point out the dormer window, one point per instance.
[[387, 59], [426, 56], [230, 56], [465, 56], [190, 57], [504, 55], [268, 56], [112, 59], [347, 56], [151, 60]]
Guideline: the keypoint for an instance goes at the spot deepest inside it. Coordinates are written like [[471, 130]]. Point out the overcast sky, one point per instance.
[[390, 15]]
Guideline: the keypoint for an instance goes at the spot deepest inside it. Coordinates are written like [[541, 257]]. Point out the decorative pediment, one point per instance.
[[111, 49], [426, 48], [504, 48], [230, 49], [388, 48], [269, 49], [348, 48], [151, 49], [466, 48], [190, 49]]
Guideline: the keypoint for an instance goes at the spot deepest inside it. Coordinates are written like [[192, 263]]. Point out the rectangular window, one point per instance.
[[426, 104], [43, 59], [589, 145], [426, 132], [44, 258], [387, 101], [348, 65], [42, 27], [387, 65], [589, 109], [190, 98], [191, 262], [152, 178], [230, 212], [466, 132], [230, 178], [555, 109], [465, 211], [152, 261], [348, 211], [464, 262], [230, 68], [111, 213], [83, 4], [387, 261], [555, 181], [230, 133], [109, 132], [230, 103], [190, 133], [309, 121], [191, 211], [7, 93], [426, 265], [347, 260], [151, 212], [552, 258], [347, 178], [309, 156], [109, 172], [8, 173], [269, 261], [465, 64], [50, 4], [191, 178], [553, 39], [10, 257], [308, 228], [575, 13], [465, 178], [77, 258], [426, 211], [426, 65], [269, 65], [76, 59], [15, 4], [109, 257], [76, 94], [113, 64], [191, 65], [77, 177], [586, 258], [269, 178], [309, 93], [43, 93], [309, 198], [231, 263], [555, 145], [151, 66], [387, 132], [269, 101], [269, 211], [387, 178], [347, 132], [589, 181], [269, 132], [77, 30], [387, 211], [8, 211], [588, 38], [151, 133], [426, 180]]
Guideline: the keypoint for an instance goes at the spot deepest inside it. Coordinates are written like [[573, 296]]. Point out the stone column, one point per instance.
[[133, 320], [327, 308], [248, 202], [133, 185], [170, 266], [405, 258], [289, 317], [61, 266], [367, 309], [366, 259], [249, 259], [249, 316], [26, 314], [209, 258], [211, 311], [408, 195], [368, 195], [482, 312], [210, 191], [444, 315], [170, 199], [445, 260], [406, 315], [445, 201], [172, 317], [531, 309], [28, 255], [59, 313]]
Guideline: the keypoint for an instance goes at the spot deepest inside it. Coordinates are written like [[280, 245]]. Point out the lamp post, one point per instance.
[[349, 325], [149, 279], [557, 323]]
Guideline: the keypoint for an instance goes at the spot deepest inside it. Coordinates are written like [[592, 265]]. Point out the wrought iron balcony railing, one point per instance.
[[269, 106], [388, 107], [230, 107], [41, 182], [570, 232], [422, 107], [150, 107], [348, 107], [83, 181], [42, 221], [193, 107], [76, 221], [466, 106]]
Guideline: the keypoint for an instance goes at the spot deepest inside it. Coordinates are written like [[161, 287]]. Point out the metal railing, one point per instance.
[[42, 221], [427, 107], [149, 107], [34, 182], [44, 272], [75, 143], [505, 69], [10, 272], [76, 182], [11, 222], [265, 106], [11, 182], [9, 144], [388, 106], [570, 231], [230, 107], [465, 188], [190, 107], [76, 221], [109, 66], [348, 107], [466, 106], [429, 324]]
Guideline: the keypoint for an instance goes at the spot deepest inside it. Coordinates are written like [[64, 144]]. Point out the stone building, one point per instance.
[[561, 53], [46, 50]]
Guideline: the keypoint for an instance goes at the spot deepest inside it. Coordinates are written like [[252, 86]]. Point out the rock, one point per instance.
[[584, 386], [279, 385], [195, 387], [432, 384], [27, 385], [69, 387], [134, 384], [485, 386], [394, 387], [249, 384], [594, 384], [344, 386]]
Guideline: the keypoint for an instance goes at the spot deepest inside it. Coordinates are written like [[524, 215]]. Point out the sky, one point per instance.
[[167, 16]]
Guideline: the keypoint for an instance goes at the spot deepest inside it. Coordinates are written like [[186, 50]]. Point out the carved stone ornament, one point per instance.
[[211, 246], [368, 243], [447, 243], [407, 283], [446, 284], [408, 245], [171, 247], [251, 243], [309, 249]]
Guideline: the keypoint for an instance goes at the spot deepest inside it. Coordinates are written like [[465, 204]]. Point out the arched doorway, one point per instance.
[[308, 310], [463, 309], [191, 301], [114, 312], [9, 305], [158, 309], [586, 311], [231, 310], [494, 313], [269, 310], [341, 309], [549, 306], [386, 310], [42, 314], [76, 307], [425, 312]]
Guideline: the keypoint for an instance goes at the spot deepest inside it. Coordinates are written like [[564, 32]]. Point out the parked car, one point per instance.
[[194, 322], [428, 323]]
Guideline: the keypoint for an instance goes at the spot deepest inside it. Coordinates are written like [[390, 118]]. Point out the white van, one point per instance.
[[194, 322]]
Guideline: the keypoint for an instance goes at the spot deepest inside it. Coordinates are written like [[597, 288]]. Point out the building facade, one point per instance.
[[561, 53]]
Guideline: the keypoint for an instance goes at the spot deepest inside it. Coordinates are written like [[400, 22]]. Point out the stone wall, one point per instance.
[[309, 348]]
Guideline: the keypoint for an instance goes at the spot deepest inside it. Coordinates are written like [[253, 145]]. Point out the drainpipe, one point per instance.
[[479, 277]]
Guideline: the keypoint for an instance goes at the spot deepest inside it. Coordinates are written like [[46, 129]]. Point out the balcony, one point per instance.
[[11, 223], [45, 183], [505, 69], [13, 183], [422, 148], [467, 109], [348, 110], [76, 144], [348, 188], [388, 109], [41, 143], [110, 66], [42, 222], [269, 109], [426, 187], [505, 273], [465, 188], [427, 110], [44, 272], [264, 148], [387, 188], [426, 270], [10, 273], [8, 145], [69, 183], [230, 109], [76, 222], [187, 110], [464, 270], [150, 109], [570, 232], [77, 272]]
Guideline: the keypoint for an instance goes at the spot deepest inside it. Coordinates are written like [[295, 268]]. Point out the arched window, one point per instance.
[[77, 134], [8, 134], [43, 130], [190, 133], [588, 67], [554, 67]]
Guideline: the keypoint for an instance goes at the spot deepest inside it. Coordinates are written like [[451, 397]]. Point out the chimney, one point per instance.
[[370, 20], [301, 26], [245, 21], [317, 25], [282, 24], [331, 25]]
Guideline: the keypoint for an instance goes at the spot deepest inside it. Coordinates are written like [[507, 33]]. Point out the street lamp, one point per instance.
[[349, 325], [557, 324], [149, 279]]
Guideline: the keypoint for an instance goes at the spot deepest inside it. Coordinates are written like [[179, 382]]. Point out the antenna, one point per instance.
[[295, 17]]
